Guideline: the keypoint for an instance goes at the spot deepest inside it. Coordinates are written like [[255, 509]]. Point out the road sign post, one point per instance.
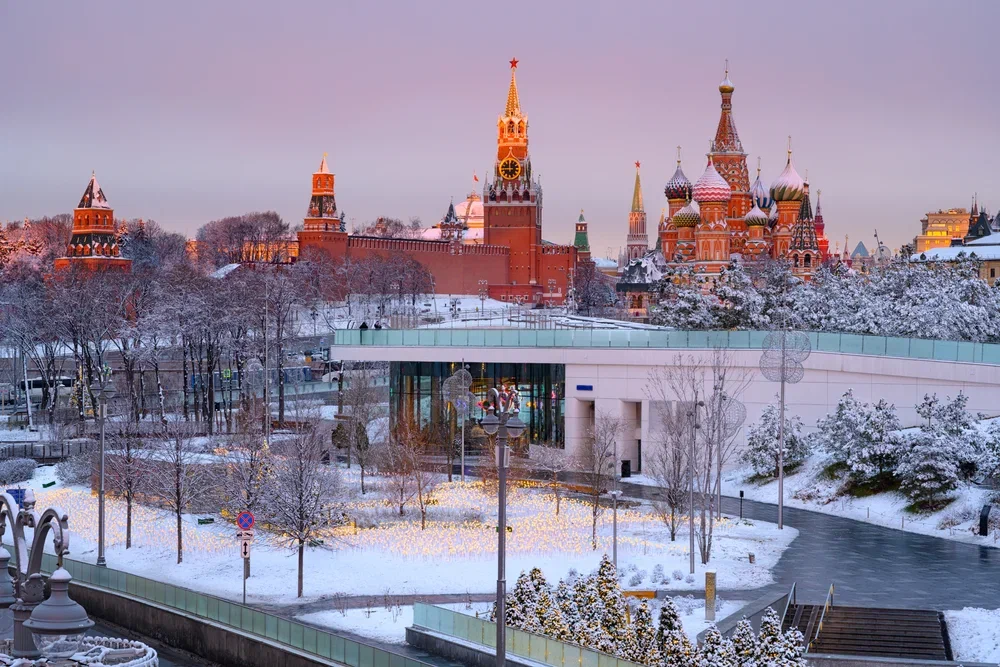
[[245, 522]]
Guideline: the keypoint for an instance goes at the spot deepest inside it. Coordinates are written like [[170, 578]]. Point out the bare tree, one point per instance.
[[306, 490], [248, 473], [670, 434], [409, 444], [696, 385], [178, 478], [553, 461], [369, 415], [127, 470], [598, 465]]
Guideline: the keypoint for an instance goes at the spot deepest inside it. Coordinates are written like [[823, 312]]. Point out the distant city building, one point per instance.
[[94, 242], [938, 229], [980, 241]]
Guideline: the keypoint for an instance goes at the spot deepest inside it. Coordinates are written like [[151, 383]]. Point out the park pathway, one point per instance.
[[872, 565]]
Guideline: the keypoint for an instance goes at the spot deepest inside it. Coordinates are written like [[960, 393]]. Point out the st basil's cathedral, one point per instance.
[[722, 216]]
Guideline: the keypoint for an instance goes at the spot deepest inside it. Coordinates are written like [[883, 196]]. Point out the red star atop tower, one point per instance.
[[513, 63], [636, 164]]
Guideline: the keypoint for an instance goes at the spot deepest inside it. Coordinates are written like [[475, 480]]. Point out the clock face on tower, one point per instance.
[[510, 168]]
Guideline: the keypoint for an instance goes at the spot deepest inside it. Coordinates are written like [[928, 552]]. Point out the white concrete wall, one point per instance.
[[622, 375]]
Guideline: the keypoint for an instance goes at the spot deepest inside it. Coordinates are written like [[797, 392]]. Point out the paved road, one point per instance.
[[871, 565]]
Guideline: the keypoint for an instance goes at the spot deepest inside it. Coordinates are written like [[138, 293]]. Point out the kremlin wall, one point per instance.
[[494, 239]]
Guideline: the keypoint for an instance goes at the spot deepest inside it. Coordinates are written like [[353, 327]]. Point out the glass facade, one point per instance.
[[415, 394]]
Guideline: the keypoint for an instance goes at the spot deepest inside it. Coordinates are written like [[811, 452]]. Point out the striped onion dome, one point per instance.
[[711, 187], [761, 195], [789, 186], [689, 216], [678, 187], [756, 217]]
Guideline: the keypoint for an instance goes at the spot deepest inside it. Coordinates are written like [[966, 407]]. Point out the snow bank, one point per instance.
[[974, 634]]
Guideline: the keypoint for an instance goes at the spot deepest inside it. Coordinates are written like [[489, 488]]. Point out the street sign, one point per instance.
[[244, 534], [245, 548], [245, 520]]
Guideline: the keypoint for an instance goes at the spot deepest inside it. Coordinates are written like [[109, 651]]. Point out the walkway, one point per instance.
[[872, 565]]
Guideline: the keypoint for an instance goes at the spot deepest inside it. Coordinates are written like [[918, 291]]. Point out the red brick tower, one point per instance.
[[323, 229], [637, 243], [94, 243], [512, 200], [824, 243], [787, 192], [712, 237], [678, 193], [731, 163]]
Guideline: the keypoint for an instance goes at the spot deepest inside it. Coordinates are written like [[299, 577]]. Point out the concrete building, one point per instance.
[[939, 228], [567, 377]]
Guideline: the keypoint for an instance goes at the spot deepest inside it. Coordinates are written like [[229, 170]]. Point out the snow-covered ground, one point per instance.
[[974, 634], [808, 489], [455, 554], [388, 623]]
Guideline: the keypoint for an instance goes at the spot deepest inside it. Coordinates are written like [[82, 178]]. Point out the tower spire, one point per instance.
[[513, 103], [637, 191], [678, 156]]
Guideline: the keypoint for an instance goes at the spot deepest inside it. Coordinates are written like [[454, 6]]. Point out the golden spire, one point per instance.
[[758, 166], [323, 169], [637, 191], [513, 103], [678, 156]]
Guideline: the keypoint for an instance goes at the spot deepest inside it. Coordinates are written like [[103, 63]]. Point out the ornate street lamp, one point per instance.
[[62, 622], [502, 407], [58, 624], [105, 392]]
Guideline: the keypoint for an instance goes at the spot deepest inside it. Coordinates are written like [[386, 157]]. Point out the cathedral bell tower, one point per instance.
[[512, 200]]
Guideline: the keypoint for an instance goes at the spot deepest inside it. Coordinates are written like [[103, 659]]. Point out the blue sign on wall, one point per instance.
[[585, 387], [17, 495]]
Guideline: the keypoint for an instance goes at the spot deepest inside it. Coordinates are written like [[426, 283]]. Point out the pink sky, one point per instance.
[[190, 111]]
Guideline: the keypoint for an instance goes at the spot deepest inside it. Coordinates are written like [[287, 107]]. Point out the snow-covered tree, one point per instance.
[[738, 304], [679, 301], [770, 644], [716, 650], [549, 617], [590, 631], [928, 472], [645, 650], [566, 601], [674, 646], [863, 437], [745, 645], [761, 451], [615, 620], [519, 610]]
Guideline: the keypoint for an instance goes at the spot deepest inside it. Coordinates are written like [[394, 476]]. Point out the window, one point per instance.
[[993, 272]]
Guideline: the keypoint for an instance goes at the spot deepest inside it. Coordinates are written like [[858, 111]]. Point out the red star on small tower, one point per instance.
[[636, 164], [513, 63]]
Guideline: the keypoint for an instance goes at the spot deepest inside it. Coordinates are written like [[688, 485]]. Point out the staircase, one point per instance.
[[890, 633]]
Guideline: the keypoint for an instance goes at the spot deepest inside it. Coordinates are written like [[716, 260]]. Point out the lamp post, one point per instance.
[[615, 495], [52, 627], [105, 392], [502, 407], [693, 416]]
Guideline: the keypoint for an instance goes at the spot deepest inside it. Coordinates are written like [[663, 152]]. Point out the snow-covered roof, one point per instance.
[[989, 239], [789, 186], [645, 270], [224, 271], [711, 186], [951, 253], [605, 263], [93, 196]]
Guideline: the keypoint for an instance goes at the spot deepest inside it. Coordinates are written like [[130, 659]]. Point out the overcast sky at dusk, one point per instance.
[[191, 111]]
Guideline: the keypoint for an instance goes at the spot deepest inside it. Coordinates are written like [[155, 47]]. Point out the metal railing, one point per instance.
[[826, 606], [520, 643], [882, 346], [292, 634], [789, 602]]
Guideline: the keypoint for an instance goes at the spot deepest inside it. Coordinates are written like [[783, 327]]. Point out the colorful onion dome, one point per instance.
[[789, 186], [711, 186], [689, 216], [678, 187], [759, 192], [756, 217], [726, 86]]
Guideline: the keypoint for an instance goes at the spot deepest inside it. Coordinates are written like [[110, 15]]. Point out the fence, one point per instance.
[[883, 346], [239, 617], [520, 643]]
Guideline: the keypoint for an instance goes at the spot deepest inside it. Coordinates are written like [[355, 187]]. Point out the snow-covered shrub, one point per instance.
[[14, 471], [76, 469], [572, 575], [863, 437], [636, 579], [761, 452], [677, 574], [658, 574], [739, 305], [689, 579]]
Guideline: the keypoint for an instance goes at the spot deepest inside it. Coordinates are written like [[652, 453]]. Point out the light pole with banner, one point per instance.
[[502, 407], [456, 391], [105, 392]]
